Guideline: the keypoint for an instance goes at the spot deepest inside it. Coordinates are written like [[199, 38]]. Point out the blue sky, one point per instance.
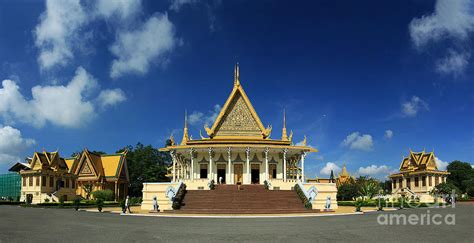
[[365, 81]]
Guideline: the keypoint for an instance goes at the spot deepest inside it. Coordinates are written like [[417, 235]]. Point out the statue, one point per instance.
[[328, 203]]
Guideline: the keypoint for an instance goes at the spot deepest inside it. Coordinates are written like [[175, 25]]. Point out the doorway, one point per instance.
[[238, 173], [255, 174], [272, 171], [221, 179]]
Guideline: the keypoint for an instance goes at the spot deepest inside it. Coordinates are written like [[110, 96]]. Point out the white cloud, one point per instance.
[[111, 97], [375, 170], [58, 30], [412, 107], [326, 170], [136, 50], [388, 134], [199, 118], [12, 145], [453, 20], [454, 63], [441, 164], [66, 106], [177, 4], [123, 9], [358, 142]]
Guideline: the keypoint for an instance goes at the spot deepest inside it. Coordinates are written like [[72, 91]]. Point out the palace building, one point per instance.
[[418, 175], [236, 149], [100, 172], [47, 177]]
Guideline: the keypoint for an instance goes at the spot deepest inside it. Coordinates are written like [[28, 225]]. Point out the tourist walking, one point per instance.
[[127, 205], [155, 204]]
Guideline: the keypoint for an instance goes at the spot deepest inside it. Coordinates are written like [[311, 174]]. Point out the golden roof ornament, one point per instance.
[[185, 130], [284, 136], [305, 141], [172, 139], [236, 75]]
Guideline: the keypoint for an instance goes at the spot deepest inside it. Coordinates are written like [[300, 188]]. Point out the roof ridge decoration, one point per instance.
[[237, 117]]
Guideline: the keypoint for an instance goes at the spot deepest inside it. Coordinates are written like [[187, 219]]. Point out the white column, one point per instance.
[[229, 178], [284, 164], [191, 152], [173, 156], [211, 176], [302, 166], [266, 164], [247, 152]]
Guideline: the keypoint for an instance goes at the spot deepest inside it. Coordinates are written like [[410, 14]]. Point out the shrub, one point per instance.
[[46, 200], [100, 203], [266, 185], [212, 185], [358, 204], [105, 195], [178, 198], [76, 203], [135, 201], [61, 202]]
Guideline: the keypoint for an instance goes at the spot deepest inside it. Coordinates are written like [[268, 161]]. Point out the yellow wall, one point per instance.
[[157, 189]]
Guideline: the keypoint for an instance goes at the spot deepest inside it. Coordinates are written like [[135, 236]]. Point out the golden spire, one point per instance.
[[284, 136], [236, 75], [344, 171], [185, 130]]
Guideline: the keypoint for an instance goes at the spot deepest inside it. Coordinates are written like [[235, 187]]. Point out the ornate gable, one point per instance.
[[86, 170], [238, 120], [238, 117]]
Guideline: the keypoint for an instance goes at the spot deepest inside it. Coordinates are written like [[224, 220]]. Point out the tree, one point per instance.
[[87, 189], [347, 191], [145, 164], [461, 173], [386, 186], [445, 189], [367, 187]]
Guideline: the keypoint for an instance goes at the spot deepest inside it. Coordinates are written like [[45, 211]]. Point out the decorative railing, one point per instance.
[[307, 197], [172, 191]]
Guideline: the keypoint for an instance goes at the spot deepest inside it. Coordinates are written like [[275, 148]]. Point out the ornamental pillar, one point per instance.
[[211, 176], [191, 152], [266, 163], [284, 164], [229, 178], [302, 165], [247, 152], [173, 156]]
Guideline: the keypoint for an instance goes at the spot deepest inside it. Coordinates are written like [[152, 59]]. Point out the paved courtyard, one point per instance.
[[59, 225]]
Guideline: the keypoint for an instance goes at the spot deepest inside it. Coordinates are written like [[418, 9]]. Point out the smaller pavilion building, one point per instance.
[[418, 175]]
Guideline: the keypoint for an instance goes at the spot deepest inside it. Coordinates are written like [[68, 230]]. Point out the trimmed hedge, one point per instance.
[[389, 204], [299, 191], [83, 204], [178, 199], [11, 203]]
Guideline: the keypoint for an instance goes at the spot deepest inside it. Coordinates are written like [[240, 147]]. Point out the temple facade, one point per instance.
[[238, 150], [418, 175]]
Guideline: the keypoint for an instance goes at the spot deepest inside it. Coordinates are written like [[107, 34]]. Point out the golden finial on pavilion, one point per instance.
[[236, 75], [284, 136], [185, 130], [305, 141]]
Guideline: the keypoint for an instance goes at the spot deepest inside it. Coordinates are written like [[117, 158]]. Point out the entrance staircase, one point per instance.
[[251, 199]]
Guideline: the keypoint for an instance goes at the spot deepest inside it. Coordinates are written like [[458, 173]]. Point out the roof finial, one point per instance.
[[284, 136], [236, 75], [185, 130]]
